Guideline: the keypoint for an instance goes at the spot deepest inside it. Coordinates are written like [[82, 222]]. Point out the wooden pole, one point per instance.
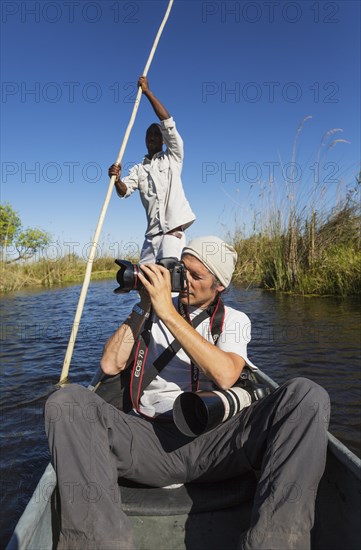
[[93, 249]]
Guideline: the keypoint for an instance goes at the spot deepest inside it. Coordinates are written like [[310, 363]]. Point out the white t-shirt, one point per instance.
[[175, 377]]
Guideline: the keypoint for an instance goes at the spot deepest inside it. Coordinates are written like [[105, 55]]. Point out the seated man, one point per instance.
[[282, 437]]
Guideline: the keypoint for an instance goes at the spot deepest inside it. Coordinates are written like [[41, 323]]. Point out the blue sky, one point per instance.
[[238, 77]]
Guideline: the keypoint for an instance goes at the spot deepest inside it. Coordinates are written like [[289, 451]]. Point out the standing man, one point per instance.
[[158, 179], [282, 437]]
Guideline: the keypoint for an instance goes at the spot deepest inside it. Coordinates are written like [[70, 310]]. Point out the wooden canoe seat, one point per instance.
[[191, 498]]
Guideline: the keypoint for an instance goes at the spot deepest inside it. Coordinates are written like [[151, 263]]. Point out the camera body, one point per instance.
[[248, 381], [127, 275]]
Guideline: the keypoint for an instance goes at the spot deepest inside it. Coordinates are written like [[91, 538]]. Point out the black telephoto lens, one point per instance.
[[199, 412]]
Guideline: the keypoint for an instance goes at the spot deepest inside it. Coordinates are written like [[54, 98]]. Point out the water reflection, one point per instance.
[[291, 336], [315, 337]]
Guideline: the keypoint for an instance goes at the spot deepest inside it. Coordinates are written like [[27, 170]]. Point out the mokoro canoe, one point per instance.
[[212, 516]]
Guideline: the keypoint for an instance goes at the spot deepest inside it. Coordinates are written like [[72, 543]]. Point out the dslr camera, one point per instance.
[[127, 276]]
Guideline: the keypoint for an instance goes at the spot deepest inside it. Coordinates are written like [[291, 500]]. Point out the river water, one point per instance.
[[291, 336]]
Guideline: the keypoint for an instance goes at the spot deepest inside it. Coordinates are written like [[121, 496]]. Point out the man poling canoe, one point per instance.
[[158, 180], [93, 249]]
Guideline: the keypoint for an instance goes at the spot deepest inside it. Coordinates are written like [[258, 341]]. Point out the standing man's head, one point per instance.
[[153, 140], [210, 263]]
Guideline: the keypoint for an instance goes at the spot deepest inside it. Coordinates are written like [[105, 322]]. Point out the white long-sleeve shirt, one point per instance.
[[160, 186]]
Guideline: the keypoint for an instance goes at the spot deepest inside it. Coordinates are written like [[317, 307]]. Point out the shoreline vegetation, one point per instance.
[[43, 273], [316, 255], [305, 238]]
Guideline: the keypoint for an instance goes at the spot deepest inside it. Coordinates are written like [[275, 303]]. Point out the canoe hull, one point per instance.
[[336, 526]]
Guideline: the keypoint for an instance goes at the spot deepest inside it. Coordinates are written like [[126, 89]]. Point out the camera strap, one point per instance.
[[216, 314], [142, 377]]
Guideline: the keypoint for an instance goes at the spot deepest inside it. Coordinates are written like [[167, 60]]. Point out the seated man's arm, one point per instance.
[[118, 348], [224, 368]]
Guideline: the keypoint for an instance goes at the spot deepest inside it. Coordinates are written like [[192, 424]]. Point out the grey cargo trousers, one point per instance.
[[283, 437]]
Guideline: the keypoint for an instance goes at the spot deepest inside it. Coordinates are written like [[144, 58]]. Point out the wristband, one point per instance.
[[137, 309]]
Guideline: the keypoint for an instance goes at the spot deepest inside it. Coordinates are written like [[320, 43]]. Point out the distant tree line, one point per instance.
[[26, 242]]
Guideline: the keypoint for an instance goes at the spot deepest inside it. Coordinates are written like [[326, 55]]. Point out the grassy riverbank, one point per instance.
[[48, 273], [316, 254]]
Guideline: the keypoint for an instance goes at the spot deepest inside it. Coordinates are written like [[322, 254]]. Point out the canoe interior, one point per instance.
[[209, 517]]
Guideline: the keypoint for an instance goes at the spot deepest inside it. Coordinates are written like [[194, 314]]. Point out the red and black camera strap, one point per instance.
[[141, 377], [216, 314]]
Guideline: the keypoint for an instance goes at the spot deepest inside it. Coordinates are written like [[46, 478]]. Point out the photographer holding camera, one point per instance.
[[158, 180], [193, 342]]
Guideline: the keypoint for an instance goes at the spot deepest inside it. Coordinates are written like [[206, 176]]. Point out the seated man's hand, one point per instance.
[[115, 170], [157, 283]]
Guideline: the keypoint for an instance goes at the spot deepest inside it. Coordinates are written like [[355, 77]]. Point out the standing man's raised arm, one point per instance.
[[158, 107]]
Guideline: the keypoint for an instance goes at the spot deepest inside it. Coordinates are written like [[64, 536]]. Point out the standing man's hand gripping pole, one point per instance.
[[115, 170]]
